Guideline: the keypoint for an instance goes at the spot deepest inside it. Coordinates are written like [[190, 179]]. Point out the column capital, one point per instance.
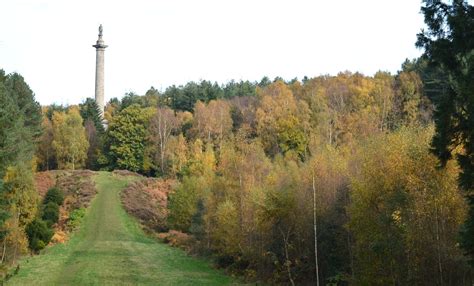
[[100, 43]]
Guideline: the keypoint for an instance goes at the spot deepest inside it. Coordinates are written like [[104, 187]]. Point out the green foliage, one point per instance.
[[184, 97], [252, 158], [239, 89], [183, 203], [28, 107], [50, 210], [152, 98], [39, 230], [467, 230], [20, 127], [89, 110], [75, 218], [39, 234], [115, 236], [96, 146], [126, 138], [51, 109], [4, 215], [130, 99], [50, 213], [449, 48], [197, 227], [20, 121], [54, 195]]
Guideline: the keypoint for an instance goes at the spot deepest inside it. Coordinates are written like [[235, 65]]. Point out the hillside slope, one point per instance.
[[111, 249]]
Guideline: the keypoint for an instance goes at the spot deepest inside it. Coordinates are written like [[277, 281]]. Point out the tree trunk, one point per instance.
[[330, 134], [4, 250], [315, 232], [351, 255], [47, 160], [287, 256], [440, 268], [162, 133], [162, 157], [241, 203], [16, 244]]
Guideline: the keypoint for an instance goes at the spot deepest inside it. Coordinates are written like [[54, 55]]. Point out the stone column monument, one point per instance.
[[99, 72]]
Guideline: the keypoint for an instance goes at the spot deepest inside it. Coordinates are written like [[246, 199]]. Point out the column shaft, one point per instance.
[[99, 79]]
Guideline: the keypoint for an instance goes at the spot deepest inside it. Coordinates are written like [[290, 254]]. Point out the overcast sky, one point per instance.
[[161, 43]]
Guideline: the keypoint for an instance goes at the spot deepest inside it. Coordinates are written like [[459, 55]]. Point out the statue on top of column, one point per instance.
[[100, 30]]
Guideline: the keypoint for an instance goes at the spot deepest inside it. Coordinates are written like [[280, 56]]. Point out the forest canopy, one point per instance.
[[335, 179], [257, 164]]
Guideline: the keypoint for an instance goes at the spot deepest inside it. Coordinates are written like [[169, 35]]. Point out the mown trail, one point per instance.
[[111, 249]]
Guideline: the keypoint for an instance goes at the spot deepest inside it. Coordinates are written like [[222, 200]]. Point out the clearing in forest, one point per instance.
[[111, 249]]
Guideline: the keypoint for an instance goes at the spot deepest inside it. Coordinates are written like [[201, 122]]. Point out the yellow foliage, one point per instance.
[[20, 190], [398, 194], [227, 235], [69, 139], [211, 122]]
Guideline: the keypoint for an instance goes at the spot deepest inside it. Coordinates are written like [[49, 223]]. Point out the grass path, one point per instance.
[[111, 249]]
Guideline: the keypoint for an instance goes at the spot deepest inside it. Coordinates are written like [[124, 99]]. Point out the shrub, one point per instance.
[[178, 239], [38, 234], [54, 195], [51, 213], [147, 200], [183, 202], [75, 218]]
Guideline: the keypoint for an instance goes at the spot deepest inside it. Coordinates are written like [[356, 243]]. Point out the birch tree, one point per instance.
[[161, 127], [69, 139]]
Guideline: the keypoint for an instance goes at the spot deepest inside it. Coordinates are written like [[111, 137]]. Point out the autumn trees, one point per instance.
[[20, 127], [69, 139], [212, 122], [343, 154], [329, 179], [72, 137], [162, 125], [405, 213], [282, 121]]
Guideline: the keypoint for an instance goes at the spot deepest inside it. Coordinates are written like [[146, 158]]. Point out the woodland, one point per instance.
[[343, 179]]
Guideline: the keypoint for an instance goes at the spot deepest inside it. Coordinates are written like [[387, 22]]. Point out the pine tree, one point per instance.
[[449, 47], [89, 110], [20, 127]]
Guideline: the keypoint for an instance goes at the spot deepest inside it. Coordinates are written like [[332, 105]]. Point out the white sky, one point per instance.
[[161, 43]]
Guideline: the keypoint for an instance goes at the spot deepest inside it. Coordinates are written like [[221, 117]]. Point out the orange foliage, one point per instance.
[[43, 182]]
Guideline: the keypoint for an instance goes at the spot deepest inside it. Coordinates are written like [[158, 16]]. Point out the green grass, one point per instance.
[[111, 249]]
